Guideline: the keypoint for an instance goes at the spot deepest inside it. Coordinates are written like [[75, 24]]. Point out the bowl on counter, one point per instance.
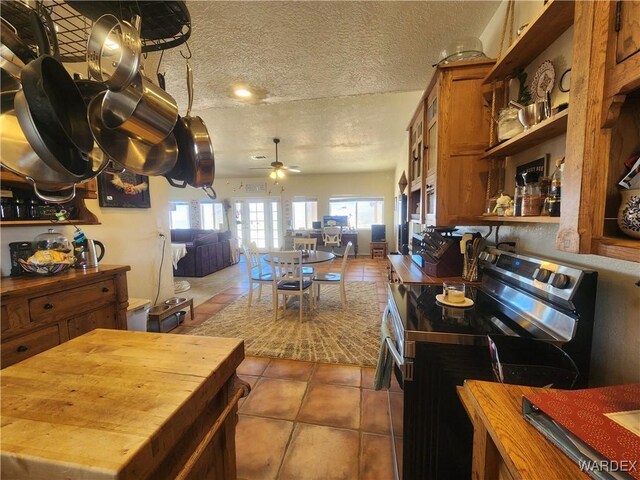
[[175, 301], [45, 268]]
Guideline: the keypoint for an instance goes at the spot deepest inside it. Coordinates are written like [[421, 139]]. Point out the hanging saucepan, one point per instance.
[[135, 155], [55, 155], [196, 163], [20, 158], [113, 51], [56, 104], [12, 40], [142, 110]]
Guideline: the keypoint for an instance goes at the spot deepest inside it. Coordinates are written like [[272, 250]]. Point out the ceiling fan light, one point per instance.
[[242, 93], [273, 175], [280, 173]]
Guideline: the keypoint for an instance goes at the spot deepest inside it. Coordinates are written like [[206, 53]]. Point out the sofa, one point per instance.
[[207, 251]]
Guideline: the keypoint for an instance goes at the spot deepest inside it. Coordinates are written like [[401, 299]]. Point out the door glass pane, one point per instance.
[[238, 215], [257, 224], [275, 223]]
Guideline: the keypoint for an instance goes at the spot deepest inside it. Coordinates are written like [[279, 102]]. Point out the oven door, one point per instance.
[[402, 372]]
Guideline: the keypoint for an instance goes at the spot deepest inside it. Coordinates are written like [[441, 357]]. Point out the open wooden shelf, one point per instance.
[[623, 248], [545, 130], [540, 219], [32, 223], [556, 16]]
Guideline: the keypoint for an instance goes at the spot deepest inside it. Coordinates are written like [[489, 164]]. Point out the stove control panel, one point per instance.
[[548, 278]]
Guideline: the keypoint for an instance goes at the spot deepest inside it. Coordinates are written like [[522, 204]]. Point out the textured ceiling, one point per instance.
[[333, 73]]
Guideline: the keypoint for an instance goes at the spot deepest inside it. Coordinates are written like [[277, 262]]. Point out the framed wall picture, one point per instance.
[[123, 190], [540, 165]]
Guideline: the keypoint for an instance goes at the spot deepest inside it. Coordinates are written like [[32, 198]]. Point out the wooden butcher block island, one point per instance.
[[115, 404]]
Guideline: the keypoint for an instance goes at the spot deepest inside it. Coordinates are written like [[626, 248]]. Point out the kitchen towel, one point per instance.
[[382, 378]]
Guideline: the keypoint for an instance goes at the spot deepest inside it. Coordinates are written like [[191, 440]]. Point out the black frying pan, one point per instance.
[[56, 103]]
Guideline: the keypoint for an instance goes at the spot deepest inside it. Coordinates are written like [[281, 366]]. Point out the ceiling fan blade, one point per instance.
[[260, 168], [294, 169]]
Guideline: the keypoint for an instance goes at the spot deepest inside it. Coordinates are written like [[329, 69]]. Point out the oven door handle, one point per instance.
[[398, 359]]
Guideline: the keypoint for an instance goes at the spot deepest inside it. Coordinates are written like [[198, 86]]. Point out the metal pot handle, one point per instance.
[[189, 88], [211, 193], [48, 198], [174, 184]]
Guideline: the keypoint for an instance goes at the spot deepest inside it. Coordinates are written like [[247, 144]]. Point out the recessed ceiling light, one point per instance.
[[242, 93]]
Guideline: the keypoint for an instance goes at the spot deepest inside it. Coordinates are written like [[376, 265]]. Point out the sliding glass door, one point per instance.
[[258, 220]]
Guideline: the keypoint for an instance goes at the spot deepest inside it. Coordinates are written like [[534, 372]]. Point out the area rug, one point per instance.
[[331, 334]]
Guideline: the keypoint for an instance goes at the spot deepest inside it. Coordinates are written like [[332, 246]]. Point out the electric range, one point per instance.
[[436, 347]]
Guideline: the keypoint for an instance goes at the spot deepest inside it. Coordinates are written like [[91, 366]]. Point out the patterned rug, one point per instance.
[[331, 334]]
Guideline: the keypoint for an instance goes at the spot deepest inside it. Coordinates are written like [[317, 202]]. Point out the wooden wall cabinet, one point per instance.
[[605, 130], [83, 216], [39, 312], [455, 135]]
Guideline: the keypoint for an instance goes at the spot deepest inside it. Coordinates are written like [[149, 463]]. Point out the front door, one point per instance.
[[258, 220]]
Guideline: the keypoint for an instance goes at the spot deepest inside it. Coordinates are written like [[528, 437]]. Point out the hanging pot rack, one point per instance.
[[165, 24]]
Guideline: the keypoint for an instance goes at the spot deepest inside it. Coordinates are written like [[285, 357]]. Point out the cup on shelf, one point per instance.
[[454, 292]]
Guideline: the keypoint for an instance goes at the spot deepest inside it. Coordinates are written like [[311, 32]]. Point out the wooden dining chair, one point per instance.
[[333, 278], [308, 244], [288, 279], [258, 273]]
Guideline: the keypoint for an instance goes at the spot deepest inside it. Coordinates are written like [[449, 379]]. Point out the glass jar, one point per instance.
[[531, 197], [52, 241], [508, 124], [19, 209], [6, 209]]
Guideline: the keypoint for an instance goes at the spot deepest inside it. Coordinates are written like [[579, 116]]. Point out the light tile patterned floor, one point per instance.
[[303, 420]]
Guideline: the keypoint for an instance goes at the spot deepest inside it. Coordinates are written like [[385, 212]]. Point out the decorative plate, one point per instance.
[[543, 81]]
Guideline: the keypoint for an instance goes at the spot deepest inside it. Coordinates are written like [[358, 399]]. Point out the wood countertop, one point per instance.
[[108, 404], [34, 283], [505, 445], [408, 272]]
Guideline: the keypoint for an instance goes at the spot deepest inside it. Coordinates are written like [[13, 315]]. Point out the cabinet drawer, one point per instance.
[[25, 346], [101, 318], [71, 302]]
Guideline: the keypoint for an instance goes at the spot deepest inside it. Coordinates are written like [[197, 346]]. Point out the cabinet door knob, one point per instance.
[[22, 349], [105, 289], [48, 306]]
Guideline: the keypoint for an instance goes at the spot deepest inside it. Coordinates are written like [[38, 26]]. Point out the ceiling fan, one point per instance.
[[277, 168]]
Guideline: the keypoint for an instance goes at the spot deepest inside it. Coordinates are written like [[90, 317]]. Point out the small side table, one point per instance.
[[162, 311], [378, 249]]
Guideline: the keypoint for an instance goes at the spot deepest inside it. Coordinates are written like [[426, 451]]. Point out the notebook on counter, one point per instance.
[[598, 428]]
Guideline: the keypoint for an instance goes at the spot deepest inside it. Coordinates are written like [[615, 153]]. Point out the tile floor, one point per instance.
[[303, 420]]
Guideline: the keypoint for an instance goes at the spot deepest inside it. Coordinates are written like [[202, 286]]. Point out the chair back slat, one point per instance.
[[303, 243], [345, 257], [332, 235], [286, 266]]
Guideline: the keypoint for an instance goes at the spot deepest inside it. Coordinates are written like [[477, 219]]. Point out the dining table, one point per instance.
[[313, 257]]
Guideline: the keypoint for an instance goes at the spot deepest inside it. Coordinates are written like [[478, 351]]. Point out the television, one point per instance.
[[335, 221], [378, 233]]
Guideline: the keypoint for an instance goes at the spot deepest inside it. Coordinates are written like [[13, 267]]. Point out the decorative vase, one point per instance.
[[629, 212]]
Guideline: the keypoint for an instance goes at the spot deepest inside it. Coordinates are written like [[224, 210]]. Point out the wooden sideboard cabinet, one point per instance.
[[448, 135], [39, 312]]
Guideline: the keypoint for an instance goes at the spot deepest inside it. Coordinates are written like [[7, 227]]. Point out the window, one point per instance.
[[362, 212], [305, 211], [179, 215], [212, 215]]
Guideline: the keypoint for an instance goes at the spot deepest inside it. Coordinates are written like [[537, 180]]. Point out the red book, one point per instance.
[[606, 419]]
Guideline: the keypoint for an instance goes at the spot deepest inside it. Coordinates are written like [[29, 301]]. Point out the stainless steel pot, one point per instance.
[[196, 163], [143, 111], [113, 51], [135, 155], [531, 114]]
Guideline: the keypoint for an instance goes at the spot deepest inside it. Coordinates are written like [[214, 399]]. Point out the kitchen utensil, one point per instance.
[[57, 105], [134, 155], [45, 268], [531, 114], [196, 163], [52, 240], [72, 165], [142, 110], [10, 62], [92, 257], [9, 37], [565, 81], [113, 51], [543, 81]]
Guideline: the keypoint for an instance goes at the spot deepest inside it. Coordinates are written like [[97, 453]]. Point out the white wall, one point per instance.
[[130, 236], [616, 337], [322, 187]]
